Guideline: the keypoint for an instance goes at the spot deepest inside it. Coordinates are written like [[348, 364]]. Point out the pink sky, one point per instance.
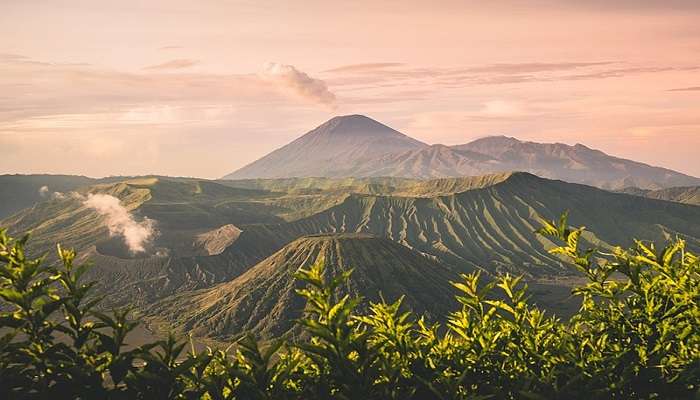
[[202, 88]]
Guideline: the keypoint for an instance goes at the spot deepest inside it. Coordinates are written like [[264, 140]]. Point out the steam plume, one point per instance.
[[299, 83], [120, 222]]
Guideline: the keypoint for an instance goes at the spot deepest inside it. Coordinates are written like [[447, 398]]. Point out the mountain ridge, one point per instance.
[[482, 223], [263, 299], [358, 146]]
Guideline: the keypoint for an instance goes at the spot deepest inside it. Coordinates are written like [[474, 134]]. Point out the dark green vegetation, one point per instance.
[[636, 336]]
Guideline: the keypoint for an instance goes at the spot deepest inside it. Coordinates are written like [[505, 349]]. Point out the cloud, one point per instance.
[[44, 191], [364, 67], [120, 222], [401, 75], [501, 108], [621, 72], [9, 57], [170, 48], [524, 68], [686, 89], [180, 63], [93, 97], [301, 84]]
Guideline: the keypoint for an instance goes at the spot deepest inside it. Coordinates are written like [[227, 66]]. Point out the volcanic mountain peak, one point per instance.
[[335, 148], [358, 146], [355, 125]]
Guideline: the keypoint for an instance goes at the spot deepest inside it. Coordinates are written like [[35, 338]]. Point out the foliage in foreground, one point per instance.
[[637, 335]]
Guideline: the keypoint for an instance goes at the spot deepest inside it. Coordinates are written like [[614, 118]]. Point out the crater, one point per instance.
[[115, 247]]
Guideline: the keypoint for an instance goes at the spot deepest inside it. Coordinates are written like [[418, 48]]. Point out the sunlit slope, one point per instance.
[[181, 209], [377, 185], [68, 221], [194, 224], [263, 300]]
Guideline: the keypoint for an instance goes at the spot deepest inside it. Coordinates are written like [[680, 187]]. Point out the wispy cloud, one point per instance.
[[621, 72], [170, 47], [30, 89], [9, 57], [401, 75], [524, 68], [686, 89], [180, 63], [364, 67]]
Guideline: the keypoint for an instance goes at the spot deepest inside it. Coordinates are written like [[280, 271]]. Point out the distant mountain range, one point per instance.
[[358, 146]]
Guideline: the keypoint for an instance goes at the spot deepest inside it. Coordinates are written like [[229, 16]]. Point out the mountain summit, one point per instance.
[[358, 146], [335, 148]]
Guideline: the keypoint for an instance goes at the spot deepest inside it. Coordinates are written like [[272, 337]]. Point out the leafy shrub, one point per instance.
[[637, 335]]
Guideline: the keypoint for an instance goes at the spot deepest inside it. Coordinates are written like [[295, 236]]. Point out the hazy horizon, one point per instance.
[[181, 88]]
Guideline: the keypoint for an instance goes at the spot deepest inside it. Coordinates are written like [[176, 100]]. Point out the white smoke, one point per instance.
[[298, 82], [44, 191], [120, 222]]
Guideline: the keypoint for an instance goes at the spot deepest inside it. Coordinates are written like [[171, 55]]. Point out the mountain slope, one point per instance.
[[334, 148], [687, 194], [263, 300], [492, 227], [577, 163], [436, 161], [469, 223], [371, 185], [359, 147], [21, 191]]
